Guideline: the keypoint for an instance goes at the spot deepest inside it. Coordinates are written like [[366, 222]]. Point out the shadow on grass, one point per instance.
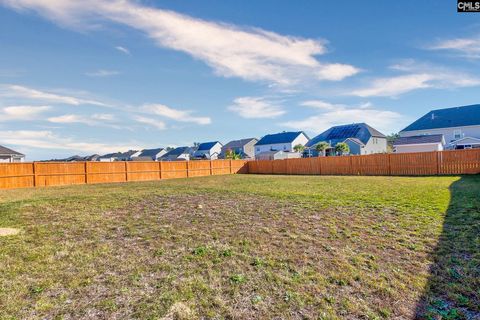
[[453, 288]]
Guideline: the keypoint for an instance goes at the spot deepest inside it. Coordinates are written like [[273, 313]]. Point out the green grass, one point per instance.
[[244, 246]]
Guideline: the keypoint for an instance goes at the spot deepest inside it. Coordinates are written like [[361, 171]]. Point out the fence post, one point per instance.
[[211, 167], [230, 164], [160, 170], [85, 172], [34, 168], [389, 161], [188, 168], [438, 161], [319, 160], [126, 171]]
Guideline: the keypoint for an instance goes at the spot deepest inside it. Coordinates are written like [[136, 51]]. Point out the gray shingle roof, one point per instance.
[[238, 143], [434, 138], [361, 131], [177, 151], [150, 152], [7, 151], [447, 118]]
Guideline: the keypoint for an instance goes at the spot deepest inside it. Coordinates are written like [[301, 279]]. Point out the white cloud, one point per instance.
[[48, 140], [418, 76], [249, 53], [102, 73], [467, 47], [17, 91], [394, 86], [22, 113], [160, 125], [382, 120], [255, 107], [175, 114], [123, 49], [322, 105], [98, 119]]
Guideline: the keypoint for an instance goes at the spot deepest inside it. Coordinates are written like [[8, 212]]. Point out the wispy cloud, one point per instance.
[[394, 86], [97, 119], [337, 114], [48, 140], [22, 113], [158, 124], [418, 76], [26, 93], [102, 73], [466, 47], [175, 114], [248, 53], [123, 49], [322, 105], [255, 108]]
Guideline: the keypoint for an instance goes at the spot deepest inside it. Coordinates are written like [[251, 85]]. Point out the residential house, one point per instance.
[[433, 142], [277, 155], [208, 150], [149, 154], [117, 156], [9, 155], [243, 147], [460, 126], [180, 153], [284, 141], [360, 137]]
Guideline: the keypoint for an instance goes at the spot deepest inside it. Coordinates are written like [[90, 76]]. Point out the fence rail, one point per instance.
[[39, 174], [394, 164]]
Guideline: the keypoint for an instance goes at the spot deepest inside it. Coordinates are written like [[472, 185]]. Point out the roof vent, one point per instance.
[[433, 116]]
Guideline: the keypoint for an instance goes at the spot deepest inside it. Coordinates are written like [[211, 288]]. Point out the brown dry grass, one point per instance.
[[218, 248]]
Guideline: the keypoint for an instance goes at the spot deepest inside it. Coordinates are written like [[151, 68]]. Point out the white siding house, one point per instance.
[[460, 126], [208, 150], [9, 155], [284, 141]]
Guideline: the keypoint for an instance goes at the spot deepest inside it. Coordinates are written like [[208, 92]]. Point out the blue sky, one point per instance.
[[84, 77]]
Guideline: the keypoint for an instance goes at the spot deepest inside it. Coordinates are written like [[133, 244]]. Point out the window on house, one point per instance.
[[457, 134], [284, 147], [258, 149]]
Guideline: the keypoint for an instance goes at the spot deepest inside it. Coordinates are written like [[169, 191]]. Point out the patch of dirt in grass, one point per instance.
[[214, 256], [8, 232]]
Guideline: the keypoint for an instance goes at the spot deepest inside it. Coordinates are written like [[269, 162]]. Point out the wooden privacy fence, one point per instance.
[[37, 174], [395, 164]]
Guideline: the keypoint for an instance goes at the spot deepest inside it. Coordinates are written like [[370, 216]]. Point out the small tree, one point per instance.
[[342, 148], [232, 155], [298, 148], [322, 147]]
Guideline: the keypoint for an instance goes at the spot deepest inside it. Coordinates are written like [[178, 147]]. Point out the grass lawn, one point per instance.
[[243, 247]]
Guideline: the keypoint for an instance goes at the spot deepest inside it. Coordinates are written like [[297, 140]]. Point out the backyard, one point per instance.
[[243, 247]]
